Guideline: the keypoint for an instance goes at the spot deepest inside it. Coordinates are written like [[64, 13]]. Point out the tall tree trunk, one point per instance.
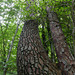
[[31, 56], [66, 60]]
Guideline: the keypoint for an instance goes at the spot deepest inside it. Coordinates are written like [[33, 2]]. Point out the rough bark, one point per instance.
[[31, 56], [66, 60]]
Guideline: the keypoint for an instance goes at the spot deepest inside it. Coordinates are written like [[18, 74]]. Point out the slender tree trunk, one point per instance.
[[66, 60], [31, 56], [9, 53]]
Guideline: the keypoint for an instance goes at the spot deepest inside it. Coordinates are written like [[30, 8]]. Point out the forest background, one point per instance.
[[13, 14]]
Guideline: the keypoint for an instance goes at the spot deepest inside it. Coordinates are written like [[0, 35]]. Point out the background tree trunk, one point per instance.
[[66, 60]]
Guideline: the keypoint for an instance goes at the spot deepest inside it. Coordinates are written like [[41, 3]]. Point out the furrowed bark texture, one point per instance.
[[66, 60], [31, 56]]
